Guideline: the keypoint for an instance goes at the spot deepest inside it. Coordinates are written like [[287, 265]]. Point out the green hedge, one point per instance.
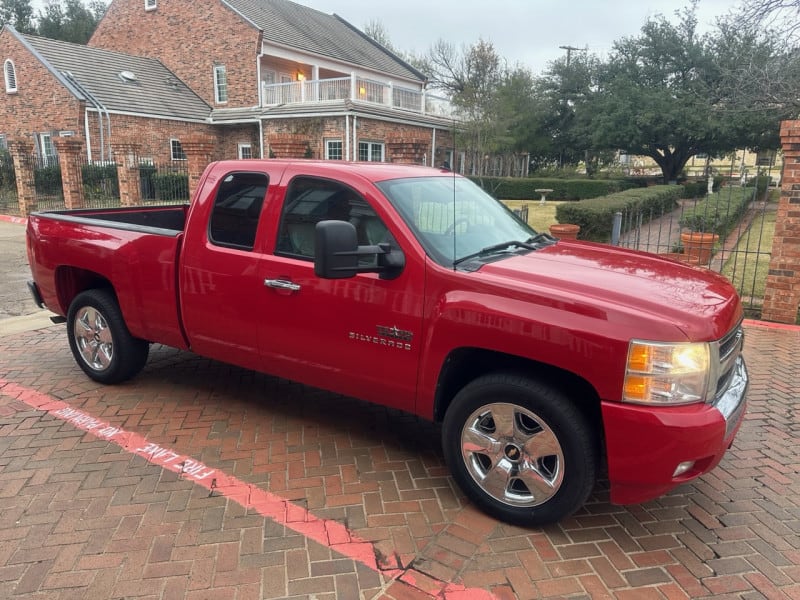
[[171, 186], [524, 188], [596, 216], [718, 213], [761, 183], [100, 180], [47, 180]]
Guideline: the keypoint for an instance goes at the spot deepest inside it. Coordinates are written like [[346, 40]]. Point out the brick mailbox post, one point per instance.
[[126, 157]]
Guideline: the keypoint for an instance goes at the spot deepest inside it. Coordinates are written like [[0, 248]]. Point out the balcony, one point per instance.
[[357, 89]]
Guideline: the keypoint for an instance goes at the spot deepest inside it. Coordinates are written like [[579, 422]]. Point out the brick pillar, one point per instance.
[[22, 155], [199, 149], [126, 157], [782, 295], [70, 153], [407, 150]]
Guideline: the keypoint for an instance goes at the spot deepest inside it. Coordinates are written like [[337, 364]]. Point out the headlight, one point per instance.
[[663, 373]]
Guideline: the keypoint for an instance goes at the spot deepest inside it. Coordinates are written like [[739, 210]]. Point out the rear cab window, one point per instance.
[[236, 211]]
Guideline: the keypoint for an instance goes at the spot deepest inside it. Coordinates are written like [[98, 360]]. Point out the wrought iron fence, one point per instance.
[[741, 218], [9, 203], [164, 183]]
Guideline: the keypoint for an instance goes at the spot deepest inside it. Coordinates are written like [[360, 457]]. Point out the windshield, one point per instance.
[[452, 217]]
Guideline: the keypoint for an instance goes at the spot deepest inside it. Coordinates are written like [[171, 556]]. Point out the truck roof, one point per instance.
[[372, 171]]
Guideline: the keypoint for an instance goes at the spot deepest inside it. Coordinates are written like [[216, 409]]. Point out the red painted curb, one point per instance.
[[327, 532], [17, 220], [770, 325]]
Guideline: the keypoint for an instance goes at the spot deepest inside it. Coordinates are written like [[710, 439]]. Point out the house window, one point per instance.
[[370, 151], [333, 150], [47, 151], [11, 76], [245, 150], [176, 150], [220, 84], [150, 4]]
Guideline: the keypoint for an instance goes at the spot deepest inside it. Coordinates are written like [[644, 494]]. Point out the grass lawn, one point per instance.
[[748, 265], [539, 217]]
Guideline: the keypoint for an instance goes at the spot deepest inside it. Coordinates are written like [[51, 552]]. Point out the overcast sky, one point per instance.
[[528, 32]]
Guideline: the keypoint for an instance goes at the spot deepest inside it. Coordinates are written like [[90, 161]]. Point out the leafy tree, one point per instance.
[[18, 13], [70, 20], [661, 95]]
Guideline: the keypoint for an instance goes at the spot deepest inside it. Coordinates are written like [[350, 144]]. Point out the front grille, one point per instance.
[[730, 347]]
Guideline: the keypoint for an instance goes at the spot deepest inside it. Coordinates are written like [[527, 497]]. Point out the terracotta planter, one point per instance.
[[565, 231], [681, 257], [699, 245]]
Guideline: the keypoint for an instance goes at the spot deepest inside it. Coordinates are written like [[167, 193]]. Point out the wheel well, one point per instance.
[[71, 281], [466, 364]]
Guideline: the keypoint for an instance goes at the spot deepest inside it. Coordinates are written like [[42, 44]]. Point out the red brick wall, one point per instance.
[[41, 104], [782, 295], [188, 36], [316, 130]]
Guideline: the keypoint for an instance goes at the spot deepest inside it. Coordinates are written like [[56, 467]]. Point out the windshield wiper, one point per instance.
[[496, 248], [540, 238]]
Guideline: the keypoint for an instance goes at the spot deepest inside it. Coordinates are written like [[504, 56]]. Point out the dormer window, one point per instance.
[[150, 4], [10, 72]]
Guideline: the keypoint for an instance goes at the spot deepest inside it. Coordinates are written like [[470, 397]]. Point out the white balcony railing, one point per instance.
[[355, 88]]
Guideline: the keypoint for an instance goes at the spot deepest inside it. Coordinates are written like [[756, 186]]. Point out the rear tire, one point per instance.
[[519, 449], [100, 341]]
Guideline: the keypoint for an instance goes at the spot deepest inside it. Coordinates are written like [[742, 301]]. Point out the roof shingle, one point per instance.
[[156, 90]]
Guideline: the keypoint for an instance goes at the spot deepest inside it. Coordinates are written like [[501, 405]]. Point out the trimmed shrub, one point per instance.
[[718, 213], [47, 180], [524, 188], [761, 183], [100, 180], [596, 215], [694, 189]]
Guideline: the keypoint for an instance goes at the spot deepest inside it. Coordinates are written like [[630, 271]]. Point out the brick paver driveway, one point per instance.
[[371, 511]]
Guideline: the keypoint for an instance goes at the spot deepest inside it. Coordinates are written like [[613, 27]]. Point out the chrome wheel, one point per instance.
[[93, 338], [512, 454]]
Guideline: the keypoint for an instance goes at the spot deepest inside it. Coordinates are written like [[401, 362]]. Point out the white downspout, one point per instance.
[[433, 148], [88, 137]]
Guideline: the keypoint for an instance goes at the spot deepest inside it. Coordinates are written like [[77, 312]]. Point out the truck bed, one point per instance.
[[132, 250], [159, 220]]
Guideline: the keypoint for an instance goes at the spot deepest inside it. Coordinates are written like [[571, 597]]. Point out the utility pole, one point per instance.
[[569, 50]]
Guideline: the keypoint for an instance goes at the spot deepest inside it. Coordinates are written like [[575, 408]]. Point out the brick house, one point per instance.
[[296, 81], [57, 89], [260, 77]]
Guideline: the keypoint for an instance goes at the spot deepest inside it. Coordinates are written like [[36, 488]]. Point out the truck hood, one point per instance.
[[701, 303]]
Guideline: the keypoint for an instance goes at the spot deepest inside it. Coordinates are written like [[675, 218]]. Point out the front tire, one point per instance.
[[519, 449], [100, 341]]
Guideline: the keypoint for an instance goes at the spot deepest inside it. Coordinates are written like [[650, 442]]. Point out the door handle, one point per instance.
[[282, 284]]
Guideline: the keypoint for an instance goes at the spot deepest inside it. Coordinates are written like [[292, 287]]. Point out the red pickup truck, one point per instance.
[[547, 361]]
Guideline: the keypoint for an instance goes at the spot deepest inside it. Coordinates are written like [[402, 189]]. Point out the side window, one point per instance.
[[309, 201], [237, 207]]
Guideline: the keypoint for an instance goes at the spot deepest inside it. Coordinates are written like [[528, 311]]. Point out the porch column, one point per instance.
[[22, 155], [70, 151], [126, 156], [199, 149], [782, 294]]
